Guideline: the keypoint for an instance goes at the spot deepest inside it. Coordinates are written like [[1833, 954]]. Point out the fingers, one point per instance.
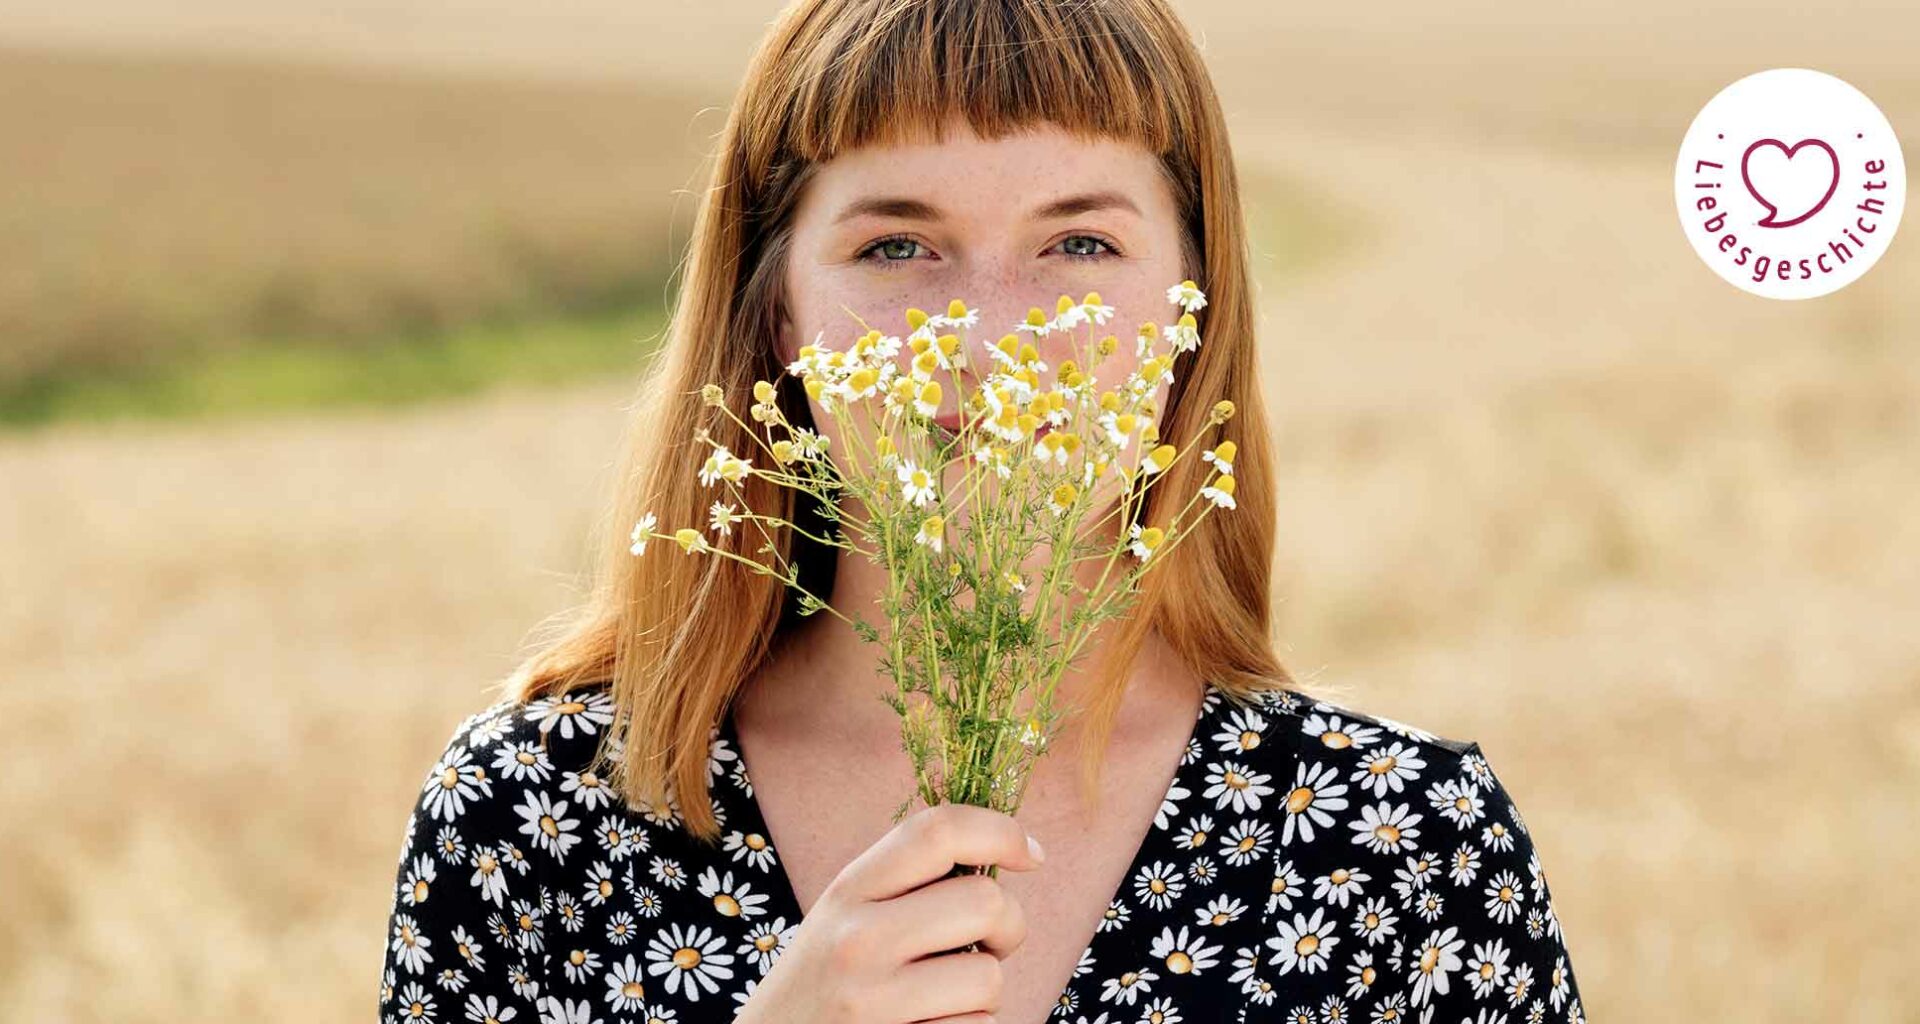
[[957, 983], [928, 844], [1006, 931], [951, 913]]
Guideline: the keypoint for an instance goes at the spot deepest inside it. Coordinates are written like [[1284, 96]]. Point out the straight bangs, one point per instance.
[[883, 72]]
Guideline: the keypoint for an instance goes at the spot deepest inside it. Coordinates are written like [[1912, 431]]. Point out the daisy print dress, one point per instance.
[[1309, 864]]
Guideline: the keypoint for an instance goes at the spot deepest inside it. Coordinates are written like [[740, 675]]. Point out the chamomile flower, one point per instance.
[[1222, 456], [1055, 447], [810, 358], [1059, 405], [1220, 492], [862, 383], [641, 530], [916, 484], [920, 325], [885, 454], [723, 464], [1158, 459], [691, 541], [1145, 541], [926, 398], [993, 457], [1061, 498], [721, 517], [809, 443], [1187, 296], [1004, 419], [1069, 314], [1119, 427], [931, 533], [1091, 309], [1144, 341], [940, 352], [1006, 351], [1153, 371], [958, 315], [1036, 323], [1184, 335]]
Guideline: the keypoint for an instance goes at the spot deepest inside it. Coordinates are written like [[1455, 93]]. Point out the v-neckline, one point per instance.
[[789, 899]]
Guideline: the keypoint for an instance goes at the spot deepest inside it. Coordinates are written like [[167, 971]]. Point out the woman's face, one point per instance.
[[1004, 225]]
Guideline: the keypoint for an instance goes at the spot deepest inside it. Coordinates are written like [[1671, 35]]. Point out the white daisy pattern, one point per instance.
[[1308, 861]]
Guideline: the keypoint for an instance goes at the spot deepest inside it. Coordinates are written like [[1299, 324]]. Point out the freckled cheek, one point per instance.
[[822, 295]]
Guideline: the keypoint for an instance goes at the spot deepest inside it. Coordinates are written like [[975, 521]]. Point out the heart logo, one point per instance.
[[1793, 189]]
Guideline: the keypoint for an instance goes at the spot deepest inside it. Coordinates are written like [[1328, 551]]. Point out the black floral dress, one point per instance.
[[1310, 864]]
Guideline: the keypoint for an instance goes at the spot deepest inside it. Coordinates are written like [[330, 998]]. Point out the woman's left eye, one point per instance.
[[1088, 247]]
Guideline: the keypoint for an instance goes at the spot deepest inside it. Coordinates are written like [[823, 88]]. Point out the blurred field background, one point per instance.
[[316, 326]]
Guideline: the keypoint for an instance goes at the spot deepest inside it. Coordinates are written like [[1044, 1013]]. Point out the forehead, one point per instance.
[[964, 172]]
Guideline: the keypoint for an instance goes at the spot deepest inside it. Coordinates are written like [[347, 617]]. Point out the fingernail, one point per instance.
[[1033, 847]]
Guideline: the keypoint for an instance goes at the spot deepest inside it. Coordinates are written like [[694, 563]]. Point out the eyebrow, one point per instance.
[[909, 208]]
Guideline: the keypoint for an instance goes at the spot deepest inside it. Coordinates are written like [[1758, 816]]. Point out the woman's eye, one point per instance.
[[891, 250], [1088, 247]]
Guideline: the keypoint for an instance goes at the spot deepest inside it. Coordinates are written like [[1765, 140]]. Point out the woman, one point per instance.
[[593, 847]]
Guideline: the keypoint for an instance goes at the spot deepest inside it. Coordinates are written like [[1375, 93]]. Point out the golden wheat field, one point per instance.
[[1546, 483], [168, 202]]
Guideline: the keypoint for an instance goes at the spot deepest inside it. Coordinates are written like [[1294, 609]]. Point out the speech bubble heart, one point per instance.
[[1804, 185]]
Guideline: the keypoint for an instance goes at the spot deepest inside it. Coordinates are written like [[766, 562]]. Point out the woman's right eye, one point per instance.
[[898, 249]]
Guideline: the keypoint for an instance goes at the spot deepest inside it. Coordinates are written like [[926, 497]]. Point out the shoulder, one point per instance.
[[1317, 758], [1299, 723], [515, 762], [1389, 845], [558, 730]]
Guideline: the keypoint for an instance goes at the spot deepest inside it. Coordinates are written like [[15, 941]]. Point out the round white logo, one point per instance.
[[1790, 183]]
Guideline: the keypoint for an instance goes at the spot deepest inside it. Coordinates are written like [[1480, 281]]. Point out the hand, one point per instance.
[[873, 950]]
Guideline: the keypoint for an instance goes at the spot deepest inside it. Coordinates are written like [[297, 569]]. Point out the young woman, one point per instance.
[[594, 846]]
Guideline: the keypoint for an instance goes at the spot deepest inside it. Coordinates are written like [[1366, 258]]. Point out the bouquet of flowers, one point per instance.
[[1007, 536]]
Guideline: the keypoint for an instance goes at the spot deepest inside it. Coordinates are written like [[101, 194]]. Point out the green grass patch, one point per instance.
[[275, 376]]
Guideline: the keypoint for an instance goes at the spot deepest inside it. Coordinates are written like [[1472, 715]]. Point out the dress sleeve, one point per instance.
[[465, 933], [1482, 941]]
